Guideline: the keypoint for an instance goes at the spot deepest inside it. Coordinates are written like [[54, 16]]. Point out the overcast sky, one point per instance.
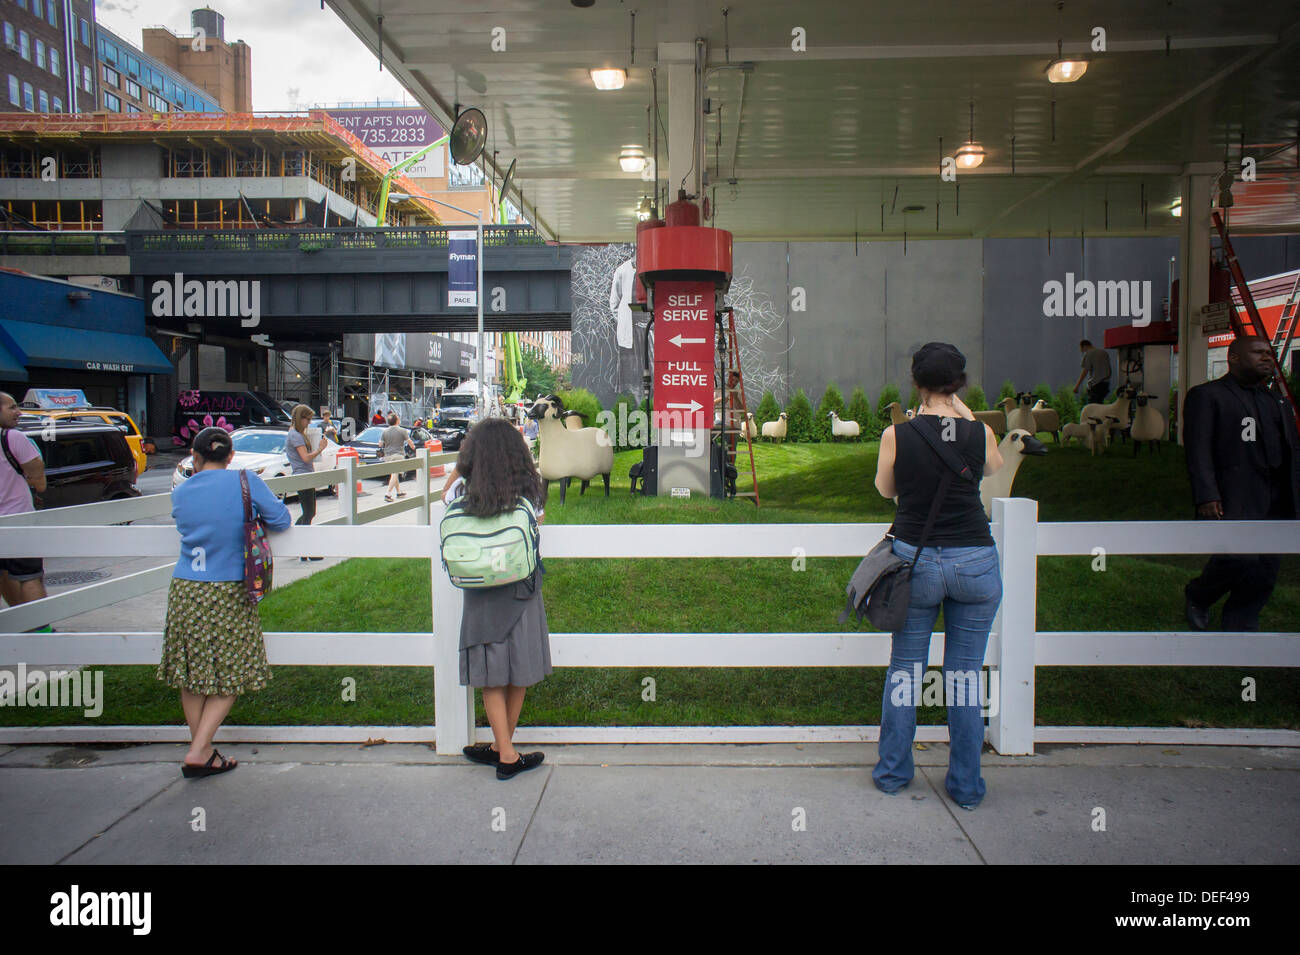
[[302, 55]]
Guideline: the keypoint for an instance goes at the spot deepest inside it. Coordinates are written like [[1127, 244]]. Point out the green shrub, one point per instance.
[[1066, 405], [859, 410], [626, 431], [799, 418], [1008, 389], [1043, 392], [832, 400], [975, 399], [768, 410], [887, 397], [582, 401]]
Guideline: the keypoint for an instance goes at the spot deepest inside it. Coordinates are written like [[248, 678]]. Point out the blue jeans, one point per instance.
[[967, 583]]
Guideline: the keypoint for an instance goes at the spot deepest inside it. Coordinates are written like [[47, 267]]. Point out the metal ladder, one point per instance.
[[734, 406], [1256, 324]]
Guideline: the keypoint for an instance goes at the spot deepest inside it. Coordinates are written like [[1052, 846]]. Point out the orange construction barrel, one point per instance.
[[349, 453], [434, 446]]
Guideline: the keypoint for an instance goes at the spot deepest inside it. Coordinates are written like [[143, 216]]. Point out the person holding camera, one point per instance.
[[932, 463]]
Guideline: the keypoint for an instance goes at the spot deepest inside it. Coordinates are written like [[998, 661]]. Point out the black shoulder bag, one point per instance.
[[881, 587]]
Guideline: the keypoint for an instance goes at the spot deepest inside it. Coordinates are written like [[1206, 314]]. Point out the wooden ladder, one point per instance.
[[734, 406], [1256, 324]]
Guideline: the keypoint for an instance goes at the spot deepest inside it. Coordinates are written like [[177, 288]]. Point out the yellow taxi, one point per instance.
[[118, 419]]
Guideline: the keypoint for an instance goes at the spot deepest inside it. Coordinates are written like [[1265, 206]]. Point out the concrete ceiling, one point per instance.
[[824, 143]]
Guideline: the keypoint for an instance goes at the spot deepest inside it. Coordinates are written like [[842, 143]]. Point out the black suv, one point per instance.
[[84, 463]]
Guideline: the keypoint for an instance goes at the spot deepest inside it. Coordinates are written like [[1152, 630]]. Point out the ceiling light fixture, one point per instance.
[[608, 79], [972, 153], [1065, 69], [632, 159]]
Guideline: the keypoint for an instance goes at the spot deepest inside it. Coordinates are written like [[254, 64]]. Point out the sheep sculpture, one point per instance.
[[1113, 416], [1148, 424], [997, 420], [1046, 419], [573, 420], [749, 428], [1089, 435], [1014, 447], [1019, 415], [567, 453], [775, 430], [843, 429]]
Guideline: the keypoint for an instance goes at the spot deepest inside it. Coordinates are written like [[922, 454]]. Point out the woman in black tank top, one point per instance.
[[957, 570]]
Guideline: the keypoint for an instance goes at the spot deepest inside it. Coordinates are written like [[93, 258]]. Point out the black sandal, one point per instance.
[[190, 771]]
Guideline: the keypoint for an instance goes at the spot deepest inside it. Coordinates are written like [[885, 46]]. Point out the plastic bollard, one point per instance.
[[434, 446], [350, 453]]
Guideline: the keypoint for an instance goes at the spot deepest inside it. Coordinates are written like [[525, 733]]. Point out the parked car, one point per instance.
[[367, 446], [85, 462], [260, 450], [92, 415]]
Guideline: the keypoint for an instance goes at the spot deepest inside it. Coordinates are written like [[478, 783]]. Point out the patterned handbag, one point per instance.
[[258, 563]]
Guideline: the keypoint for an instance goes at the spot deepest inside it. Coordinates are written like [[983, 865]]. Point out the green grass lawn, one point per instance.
[[798, 483]]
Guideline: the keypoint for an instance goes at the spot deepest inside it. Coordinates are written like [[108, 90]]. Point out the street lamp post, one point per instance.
[[482, 354]]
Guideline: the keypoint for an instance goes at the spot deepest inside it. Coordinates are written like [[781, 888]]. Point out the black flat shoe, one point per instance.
[[482, 753], [208, 769], [526, 762]]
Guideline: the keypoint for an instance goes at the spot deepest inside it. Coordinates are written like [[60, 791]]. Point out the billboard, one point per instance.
[[396, 133], [413, 351]]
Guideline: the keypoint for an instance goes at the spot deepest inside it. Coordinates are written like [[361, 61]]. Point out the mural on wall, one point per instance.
[[761, 331], [609, 338]]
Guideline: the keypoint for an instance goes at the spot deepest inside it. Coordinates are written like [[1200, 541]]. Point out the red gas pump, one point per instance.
[[684, 267]]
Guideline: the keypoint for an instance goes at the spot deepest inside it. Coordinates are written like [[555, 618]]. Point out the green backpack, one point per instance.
[[481, 552]]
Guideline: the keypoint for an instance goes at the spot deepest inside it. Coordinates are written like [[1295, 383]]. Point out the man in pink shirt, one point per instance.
[[21, 472]]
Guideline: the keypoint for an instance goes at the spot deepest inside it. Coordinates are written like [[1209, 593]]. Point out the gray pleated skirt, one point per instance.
[[522, 658]]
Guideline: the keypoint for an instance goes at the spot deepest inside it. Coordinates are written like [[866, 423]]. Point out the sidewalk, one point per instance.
[[339, 804]]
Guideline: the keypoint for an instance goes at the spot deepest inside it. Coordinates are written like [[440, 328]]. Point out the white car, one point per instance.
[[261, 450]]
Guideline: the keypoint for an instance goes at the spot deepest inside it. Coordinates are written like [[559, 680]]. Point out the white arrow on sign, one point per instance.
[[679, 341], [693, 407]]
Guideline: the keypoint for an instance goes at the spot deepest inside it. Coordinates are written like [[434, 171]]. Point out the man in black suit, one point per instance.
[[1243, 459]]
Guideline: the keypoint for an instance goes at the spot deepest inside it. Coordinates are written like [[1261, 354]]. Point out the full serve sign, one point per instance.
[[684, 343]]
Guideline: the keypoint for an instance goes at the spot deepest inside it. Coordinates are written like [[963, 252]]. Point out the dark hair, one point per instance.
[[951, 388], [939, 367], [212, 445], [1085, 344], [1239, 345], [498, 469]]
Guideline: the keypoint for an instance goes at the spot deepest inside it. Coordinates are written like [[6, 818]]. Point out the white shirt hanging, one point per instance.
[[620, 301]]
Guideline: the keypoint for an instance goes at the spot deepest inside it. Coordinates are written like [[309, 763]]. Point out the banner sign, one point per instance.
[[462, 269], [396, 134], [412, 351], [684, 355]]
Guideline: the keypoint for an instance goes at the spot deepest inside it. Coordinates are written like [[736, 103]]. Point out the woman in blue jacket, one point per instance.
[[212, 646]]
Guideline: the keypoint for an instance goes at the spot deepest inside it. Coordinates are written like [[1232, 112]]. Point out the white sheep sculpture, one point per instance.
[[1017, 443], [1020, 416], [844, 429], [750, 428], [566, 453], [1114, 415], [775, 430], [1148, 424], [1089, 435], [1046, 419]]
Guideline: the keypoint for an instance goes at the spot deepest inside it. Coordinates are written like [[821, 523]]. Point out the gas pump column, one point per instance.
[[684, 267]]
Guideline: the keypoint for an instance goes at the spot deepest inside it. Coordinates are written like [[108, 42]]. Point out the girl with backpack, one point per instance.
[[504, 640]]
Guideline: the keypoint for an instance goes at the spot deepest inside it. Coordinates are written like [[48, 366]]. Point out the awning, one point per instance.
[[11, 369], [58, 346]]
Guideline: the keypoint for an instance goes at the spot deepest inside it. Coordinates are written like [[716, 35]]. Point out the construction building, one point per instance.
[[223, 70]]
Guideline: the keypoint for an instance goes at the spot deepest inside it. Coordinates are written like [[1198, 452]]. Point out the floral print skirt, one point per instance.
[[212, 644]]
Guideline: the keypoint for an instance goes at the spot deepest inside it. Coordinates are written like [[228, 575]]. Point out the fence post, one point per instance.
[[422, 482], [453, 704], [350, 489], [1015, 530]]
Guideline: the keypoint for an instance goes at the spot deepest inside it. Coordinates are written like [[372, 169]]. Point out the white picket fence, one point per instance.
[[1015, 648]]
